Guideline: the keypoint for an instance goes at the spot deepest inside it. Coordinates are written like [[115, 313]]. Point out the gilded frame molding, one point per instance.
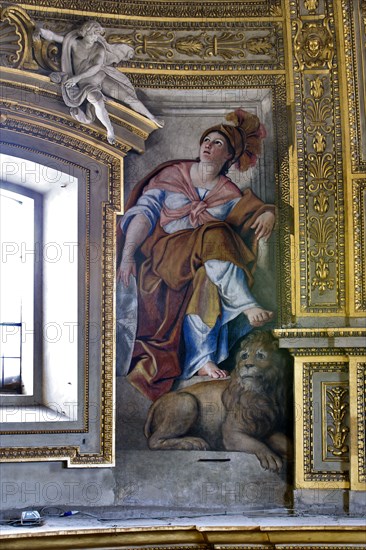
[[357, 278], [354, 29], [163, 9], [357, 381]]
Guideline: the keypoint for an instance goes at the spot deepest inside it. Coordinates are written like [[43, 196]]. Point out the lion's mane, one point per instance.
[[260, 407]]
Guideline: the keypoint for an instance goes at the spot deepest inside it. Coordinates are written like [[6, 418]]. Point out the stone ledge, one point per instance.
[[199, 533]]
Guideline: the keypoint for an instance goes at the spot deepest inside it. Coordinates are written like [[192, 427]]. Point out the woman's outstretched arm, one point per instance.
[[137, 231]]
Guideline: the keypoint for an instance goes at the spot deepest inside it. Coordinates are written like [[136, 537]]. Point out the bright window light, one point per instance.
[[18, 255]]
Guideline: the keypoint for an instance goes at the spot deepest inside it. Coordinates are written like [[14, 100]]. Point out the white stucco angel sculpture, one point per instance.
[[88, 72]]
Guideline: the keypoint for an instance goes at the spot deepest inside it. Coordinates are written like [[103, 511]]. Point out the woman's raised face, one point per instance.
[[214, 148]]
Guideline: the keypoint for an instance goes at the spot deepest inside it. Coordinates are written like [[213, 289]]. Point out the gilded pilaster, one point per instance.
[[321, 202]]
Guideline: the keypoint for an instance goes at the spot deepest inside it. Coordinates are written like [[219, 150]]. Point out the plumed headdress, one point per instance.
[[244, 136]]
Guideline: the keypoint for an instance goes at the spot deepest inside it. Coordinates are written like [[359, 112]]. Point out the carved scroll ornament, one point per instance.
[[16, 29]]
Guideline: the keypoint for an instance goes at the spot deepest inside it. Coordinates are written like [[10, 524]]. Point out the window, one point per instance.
[[39, 274], [20, 289]]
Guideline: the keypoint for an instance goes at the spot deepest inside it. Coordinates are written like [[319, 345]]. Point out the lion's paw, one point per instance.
[[194, 444], [270, 461]]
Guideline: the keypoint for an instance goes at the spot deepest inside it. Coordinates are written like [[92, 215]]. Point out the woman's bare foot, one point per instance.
[[257, 316], [211, 369]]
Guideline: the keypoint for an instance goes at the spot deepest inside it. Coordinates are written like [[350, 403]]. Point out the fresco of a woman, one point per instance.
[[190, 235]]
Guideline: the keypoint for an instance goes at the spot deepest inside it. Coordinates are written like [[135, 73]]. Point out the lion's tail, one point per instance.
[[148, 422]]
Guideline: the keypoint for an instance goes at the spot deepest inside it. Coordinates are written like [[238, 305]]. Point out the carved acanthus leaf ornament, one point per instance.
[[225, 45], [337, 408]]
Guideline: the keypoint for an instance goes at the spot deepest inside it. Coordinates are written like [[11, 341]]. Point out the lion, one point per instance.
[[247, 412]]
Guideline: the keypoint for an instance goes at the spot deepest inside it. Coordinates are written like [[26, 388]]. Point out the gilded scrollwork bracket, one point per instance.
[[21, 46], [16, 31]]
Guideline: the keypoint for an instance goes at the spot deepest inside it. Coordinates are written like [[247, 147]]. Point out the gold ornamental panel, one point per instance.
[[160, 43], [247, 44], [322, 421], [335, 421]]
